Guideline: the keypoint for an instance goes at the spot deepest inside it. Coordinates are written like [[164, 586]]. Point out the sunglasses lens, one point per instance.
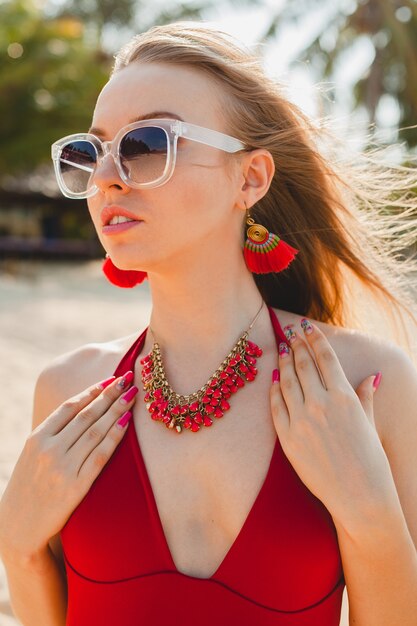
[[144, 153], [77, 163]]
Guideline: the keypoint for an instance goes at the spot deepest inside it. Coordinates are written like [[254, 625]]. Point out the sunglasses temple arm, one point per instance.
[[210, 137]]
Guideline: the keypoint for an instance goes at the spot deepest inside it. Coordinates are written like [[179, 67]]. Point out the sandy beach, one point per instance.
[[46, 310]]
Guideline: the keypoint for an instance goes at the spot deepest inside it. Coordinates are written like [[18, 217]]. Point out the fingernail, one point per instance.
[[121, 423], [127, 378], [289, 333], [106, 383], [283, 350], [275, 376], [377, 380], [126, 397], [306, 326]]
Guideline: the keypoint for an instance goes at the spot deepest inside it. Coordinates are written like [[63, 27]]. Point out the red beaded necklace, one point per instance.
[[211, 400]]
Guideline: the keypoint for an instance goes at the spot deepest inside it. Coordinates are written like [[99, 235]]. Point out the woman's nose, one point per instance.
[[106, 175]]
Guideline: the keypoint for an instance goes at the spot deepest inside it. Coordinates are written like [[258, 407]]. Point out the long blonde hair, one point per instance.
[[352, 216]]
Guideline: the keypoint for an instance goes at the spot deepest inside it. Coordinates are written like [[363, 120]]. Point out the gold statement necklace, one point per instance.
[[210, 401]]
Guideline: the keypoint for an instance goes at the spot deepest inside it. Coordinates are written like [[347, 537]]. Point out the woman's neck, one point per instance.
[[197, 319], [200, 313]]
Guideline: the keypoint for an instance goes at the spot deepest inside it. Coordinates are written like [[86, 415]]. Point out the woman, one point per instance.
[[280, 493]]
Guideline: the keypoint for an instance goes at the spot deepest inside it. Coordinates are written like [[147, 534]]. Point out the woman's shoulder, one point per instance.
[[71, 372], [357, 350], [348, 343]]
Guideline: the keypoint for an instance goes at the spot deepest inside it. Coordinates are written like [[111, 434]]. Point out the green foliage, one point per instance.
[[49, 81]]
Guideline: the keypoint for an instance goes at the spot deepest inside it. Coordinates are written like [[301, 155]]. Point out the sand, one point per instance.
[[46, 310]]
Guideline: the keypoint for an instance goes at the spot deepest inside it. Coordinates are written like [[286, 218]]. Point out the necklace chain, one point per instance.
[[196, 409]]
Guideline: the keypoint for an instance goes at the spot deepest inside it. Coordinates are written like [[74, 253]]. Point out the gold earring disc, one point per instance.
[[257, 232]]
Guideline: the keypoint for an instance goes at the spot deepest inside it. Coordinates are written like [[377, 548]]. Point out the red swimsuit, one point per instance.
[[283, 569]]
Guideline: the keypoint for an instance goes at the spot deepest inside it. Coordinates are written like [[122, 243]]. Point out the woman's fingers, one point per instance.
[[100, 434], [279, 410], [289, 383], [302, 362], [87, 417], [97, 445], [67, 411], [330, 367], [309, 368]]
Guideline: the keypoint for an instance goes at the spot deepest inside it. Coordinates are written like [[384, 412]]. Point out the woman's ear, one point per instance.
[[257, 171]]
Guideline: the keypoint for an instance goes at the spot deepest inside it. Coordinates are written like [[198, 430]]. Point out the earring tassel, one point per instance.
[[271, 255], [122, 278]]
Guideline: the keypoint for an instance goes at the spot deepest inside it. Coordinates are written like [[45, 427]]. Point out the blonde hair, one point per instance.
[[350, 214]]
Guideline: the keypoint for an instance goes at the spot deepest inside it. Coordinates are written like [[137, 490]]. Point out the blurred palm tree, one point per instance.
[[391, 28]]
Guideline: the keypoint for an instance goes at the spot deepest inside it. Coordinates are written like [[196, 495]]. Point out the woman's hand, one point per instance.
[[59, 462], [327, 430]]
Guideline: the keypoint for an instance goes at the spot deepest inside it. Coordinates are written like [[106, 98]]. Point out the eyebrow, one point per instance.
[[153, 114]]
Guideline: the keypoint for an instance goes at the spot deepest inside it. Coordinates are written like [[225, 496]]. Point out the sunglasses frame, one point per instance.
[[173, 129]]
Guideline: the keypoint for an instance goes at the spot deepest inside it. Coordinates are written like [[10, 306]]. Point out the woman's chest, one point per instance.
[[252, 525], [205, 483], [222, 504]]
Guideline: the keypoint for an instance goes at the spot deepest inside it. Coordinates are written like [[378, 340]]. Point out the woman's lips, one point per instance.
[[111, 229]]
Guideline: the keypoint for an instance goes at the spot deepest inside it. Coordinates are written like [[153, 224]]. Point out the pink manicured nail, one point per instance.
[[126, 397], [127, 378], [106, 383], [121, 423], [377, 380], [275, 376]]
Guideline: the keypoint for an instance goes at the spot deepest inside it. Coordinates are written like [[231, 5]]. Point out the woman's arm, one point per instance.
[[380, 570], [37, 584], [38, 589], [379, 555], [48, 483]]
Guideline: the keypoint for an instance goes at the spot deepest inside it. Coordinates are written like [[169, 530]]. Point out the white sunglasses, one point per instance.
[[144, 153]]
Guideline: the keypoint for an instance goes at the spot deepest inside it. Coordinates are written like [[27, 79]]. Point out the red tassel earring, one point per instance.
[[122, 278], [265, 252]]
